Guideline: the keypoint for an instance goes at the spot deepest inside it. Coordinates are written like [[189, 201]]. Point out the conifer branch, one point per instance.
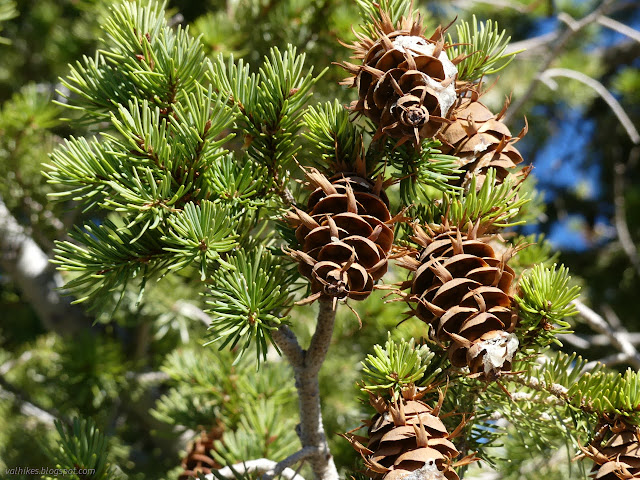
[[620, 216], [283, 465], [288, 344], [27, 408], [555, 51], [600, 89]]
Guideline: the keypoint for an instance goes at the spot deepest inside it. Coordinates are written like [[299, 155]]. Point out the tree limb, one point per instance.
[[620, 215], [30, 269], [282, 465], [27, 408], [306, 365], [288, 344], [619, 27], [600, 90], [260, 466], [561, 40], [618, 337]]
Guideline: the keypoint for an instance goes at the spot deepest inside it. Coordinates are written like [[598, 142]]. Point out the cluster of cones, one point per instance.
[[461, 286], [408, 87]]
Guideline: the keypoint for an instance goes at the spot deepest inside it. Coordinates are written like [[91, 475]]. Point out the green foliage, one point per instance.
[[533, 250], [27, 122], [201, 233], [106, 258], [83, 447], [266, 430], [398, 365], [395, 9], [248, 300], [606, 392], [334, 138], [270, 105], [144, 58], [492, 206], [7, 12], [544, 301], [239, 184], [485, 47], [422, 171]]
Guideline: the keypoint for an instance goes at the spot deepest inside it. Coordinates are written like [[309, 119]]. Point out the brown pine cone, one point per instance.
[[407, 440], [481, 141], [346, 235], [617, 454], [199, 459], [406, 82], [462, 288]]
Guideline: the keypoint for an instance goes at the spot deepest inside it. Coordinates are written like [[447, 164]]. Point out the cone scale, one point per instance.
[[480, 140]]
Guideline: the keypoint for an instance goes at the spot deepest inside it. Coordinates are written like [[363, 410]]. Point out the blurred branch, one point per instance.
[[27, 408], [600, 89], [466, 4], [618, 337], [585, 342], [531, 44], [620, 216], [619, 27], [559, 43], [191, 311], [8, 365], [283, 465], [36, 278], [260, 466]]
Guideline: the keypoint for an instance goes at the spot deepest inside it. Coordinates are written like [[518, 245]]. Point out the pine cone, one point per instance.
[[462, 289], [345, 236], [481, 141], [406, 440], [617, 456], [199, 459], [406, 83]]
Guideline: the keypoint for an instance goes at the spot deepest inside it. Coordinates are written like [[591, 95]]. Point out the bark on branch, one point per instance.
[[617, 337], [306, 365]]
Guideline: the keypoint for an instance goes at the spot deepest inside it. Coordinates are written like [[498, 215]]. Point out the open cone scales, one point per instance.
[[461, 287], [198, 459], [617, 455], [480, 140], [407, 440], [345, 235], [406, 82]]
